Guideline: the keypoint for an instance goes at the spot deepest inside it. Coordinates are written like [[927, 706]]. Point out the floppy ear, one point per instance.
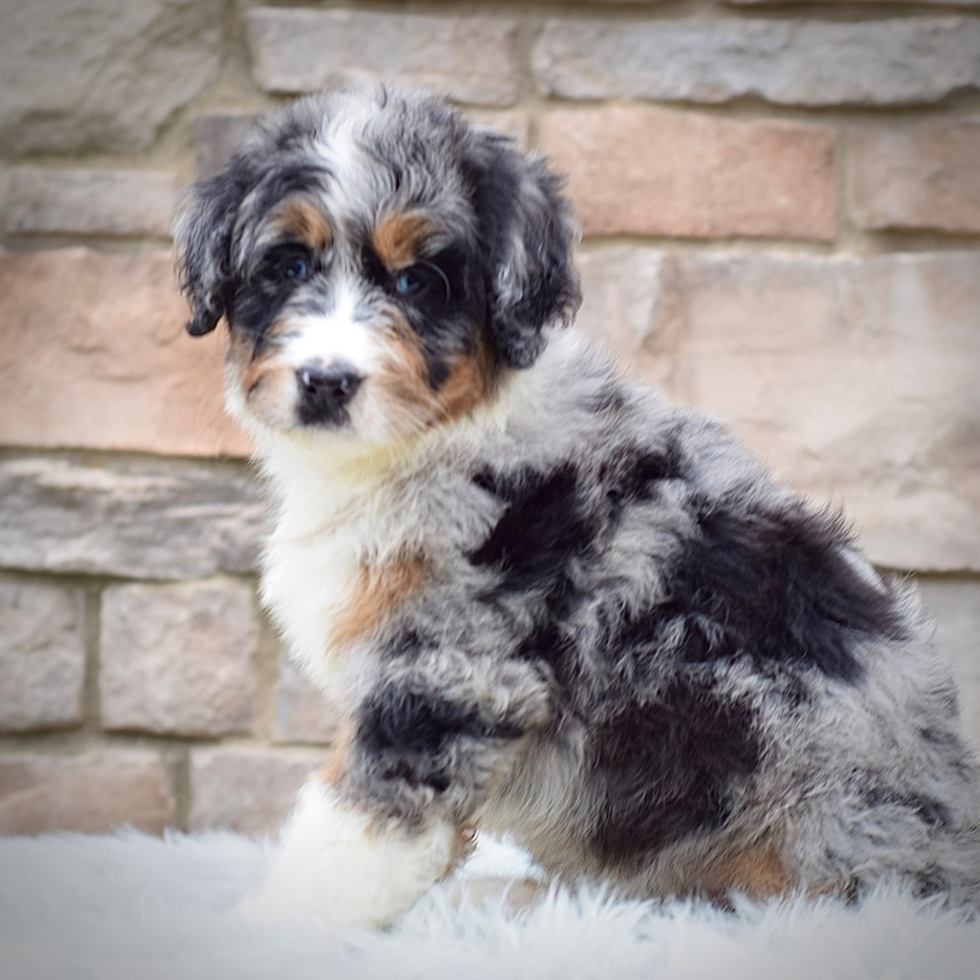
[[202, 241], [527, 233]]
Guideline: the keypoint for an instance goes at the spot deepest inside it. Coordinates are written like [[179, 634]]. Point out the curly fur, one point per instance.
[[547, 601]]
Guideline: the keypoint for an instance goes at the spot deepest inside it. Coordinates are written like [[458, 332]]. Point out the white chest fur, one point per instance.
[[330, 527]]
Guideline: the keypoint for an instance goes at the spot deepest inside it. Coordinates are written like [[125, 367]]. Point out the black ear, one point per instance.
[[202, 241], [528, 234]]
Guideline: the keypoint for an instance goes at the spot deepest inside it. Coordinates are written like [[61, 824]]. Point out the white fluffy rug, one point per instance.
[[133, 907]]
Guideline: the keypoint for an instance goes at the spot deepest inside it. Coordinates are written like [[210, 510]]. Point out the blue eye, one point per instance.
[[296, 267], [408, 283]]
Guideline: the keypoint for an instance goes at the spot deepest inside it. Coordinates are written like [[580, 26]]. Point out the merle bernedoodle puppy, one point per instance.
[[545, 601]]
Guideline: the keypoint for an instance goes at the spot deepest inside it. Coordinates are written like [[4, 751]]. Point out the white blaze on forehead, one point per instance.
[[352, 171], [332, 337]]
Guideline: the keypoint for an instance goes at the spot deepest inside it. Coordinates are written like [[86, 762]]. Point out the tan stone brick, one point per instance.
[[95, 355], [178, 659], [646, 171], [91, 202], [247, 790], [216, 137], [42, 655], [925, 175], [469, 58], [855, 378], [954, 603], [893, 61], [92, 793], [302, 712]]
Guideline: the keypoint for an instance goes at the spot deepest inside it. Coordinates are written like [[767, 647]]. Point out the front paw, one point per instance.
[[335, 863]]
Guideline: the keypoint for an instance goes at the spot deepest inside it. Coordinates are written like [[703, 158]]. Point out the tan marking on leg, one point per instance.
[[379, 590], [756, 871], [397, 237]]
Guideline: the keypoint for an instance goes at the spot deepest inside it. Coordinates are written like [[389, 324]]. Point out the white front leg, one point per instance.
[[333, 862]]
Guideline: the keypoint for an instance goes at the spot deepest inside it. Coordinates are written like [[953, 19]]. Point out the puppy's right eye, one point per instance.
[[291, 264]]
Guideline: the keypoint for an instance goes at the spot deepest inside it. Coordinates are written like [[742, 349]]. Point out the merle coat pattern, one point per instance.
[[546, 601]]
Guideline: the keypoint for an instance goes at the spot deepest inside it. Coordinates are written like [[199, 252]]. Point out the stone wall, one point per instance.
[[781, 211]]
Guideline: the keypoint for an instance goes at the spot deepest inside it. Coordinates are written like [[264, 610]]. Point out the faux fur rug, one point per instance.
[[133, 907]]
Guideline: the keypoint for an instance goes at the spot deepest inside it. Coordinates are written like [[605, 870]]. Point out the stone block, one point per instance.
[[129, 518], [954, 604], [823, 3], [302, 712], [468, 58], [101, 75], [855, 378], [178, 659], [91, 202], [924, 175], [92, 794], [247, 790], [216, 136], [42, 655], [641, 170], [896, 61], [95, 355]]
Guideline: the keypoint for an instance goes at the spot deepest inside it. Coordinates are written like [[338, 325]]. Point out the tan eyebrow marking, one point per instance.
[[299, 219], [398, 236]]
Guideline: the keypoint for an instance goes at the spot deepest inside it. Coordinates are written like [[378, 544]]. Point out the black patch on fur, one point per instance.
[[771, 586], [629, 477], [517, 199], [406, 734], [666, 768], [545, 524]]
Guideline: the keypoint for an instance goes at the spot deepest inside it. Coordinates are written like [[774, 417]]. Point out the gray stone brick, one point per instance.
[[42, 655], [216, 136], [469, 58], [92, 793], [84, 75], [854, 378], [302, 713], [881, 62], [178, 659], [954, 604], [248, 790], [91, 202], [824, 3], [141, 520]]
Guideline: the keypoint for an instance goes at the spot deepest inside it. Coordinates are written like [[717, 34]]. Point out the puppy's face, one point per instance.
[[379, 264]]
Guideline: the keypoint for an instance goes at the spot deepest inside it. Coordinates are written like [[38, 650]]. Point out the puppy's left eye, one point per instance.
[[295, 267], [422, 281], [409, 283]]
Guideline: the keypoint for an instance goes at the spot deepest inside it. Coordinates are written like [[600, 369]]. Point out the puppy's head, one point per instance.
[[379, 263]]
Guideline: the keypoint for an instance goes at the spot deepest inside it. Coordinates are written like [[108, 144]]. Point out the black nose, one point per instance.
[[324, 392]]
